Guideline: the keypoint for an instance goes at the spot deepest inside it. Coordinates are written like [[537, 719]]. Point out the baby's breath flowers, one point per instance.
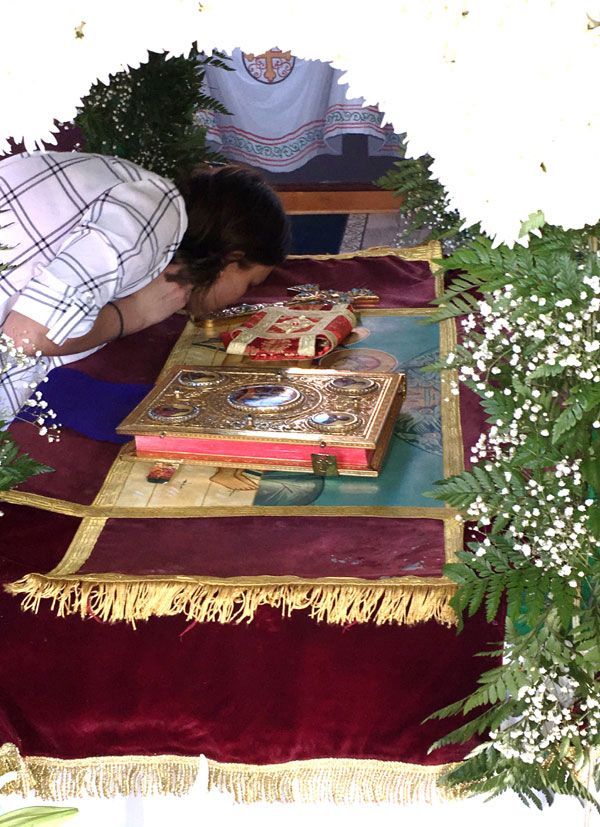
[[529, 347], [16, 467], [147, 114], [530, 351], [555, 712], [13, 361]]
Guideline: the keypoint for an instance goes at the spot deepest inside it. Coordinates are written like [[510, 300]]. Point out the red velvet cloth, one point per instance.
[[301, 546], [398, 283], [274, 690], [31, 540], [80, 464]]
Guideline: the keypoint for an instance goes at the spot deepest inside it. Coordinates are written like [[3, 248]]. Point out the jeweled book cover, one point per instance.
[[269, 417]]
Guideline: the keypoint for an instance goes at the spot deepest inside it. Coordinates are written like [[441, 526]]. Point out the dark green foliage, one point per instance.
[[148, 114], [425, 200], [487, 773], [14, 467], [553, 623]]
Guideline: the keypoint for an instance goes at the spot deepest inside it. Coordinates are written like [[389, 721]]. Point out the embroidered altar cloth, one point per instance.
[[286, 111]]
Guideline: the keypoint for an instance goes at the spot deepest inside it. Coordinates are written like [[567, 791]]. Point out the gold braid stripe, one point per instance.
[[423, 252], [318, 780], [398, 311], [81, 547], [109, 511], [453, 539]]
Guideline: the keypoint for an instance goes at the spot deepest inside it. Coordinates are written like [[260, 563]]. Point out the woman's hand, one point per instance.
[[153, 303]]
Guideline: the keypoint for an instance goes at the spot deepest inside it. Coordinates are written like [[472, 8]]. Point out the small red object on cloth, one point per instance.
[[286, 333]]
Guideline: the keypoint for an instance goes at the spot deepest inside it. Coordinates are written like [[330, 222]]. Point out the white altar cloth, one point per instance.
[[286, 111]]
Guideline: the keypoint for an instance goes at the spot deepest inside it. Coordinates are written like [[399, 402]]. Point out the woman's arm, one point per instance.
[[153, 303]]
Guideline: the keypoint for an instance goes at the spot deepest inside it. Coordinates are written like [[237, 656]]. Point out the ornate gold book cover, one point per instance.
[[304, 419]]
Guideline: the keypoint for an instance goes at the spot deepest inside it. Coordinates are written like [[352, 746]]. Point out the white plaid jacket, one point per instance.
[[82, 229]]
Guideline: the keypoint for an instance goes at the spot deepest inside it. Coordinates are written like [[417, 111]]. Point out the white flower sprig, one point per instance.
[[530, 350], [555, 711], [521, 353], [42, 416]]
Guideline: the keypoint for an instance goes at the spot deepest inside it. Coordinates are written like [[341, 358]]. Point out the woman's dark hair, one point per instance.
[[230, 210]]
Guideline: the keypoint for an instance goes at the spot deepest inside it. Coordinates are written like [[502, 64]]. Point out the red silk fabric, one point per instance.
[[264, 348]]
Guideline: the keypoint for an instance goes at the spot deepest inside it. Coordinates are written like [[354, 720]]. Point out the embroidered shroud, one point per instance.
[[391, 541]]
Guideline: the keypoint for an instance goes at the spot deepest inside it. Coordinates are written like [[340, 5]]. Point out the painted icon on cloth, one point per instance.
[[360, 360]]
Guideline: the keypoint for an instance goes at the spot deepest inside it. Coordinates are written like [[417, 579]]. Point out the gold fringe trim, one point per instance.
[[332, 780], [320, 780], [136, 600]]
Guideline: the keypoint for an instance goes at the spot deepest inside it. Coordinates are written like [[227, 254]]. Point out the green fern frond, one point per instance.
[[147, 114]]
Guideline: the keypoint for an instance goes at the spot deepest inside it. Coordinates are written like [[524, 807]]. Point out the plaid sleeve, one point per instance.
[[123, 241]]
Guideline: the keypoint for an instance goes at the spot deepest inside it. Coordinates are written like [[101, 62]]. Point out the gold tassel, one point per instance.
[[15, 776], [134, 600], [320, 780]]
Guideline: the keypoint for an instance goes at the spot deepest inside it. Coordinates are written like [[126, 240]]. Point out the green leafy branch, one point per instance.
[[34, 816], [424, 200], [501, 690], [484, 772], [16, 467], [148, 115], [528, 351]]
